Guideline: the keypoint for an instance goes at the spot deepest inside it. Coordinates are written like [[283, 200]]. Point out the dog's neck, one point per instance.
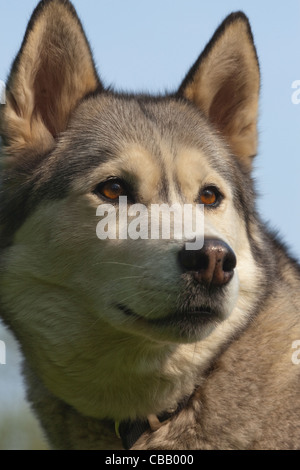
[[156, 388], [64, 427], [133, 382], [67, 428]]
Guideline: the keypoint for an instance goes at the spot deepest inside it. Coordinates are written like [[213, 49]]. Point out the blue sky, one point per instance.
[[148, 45]]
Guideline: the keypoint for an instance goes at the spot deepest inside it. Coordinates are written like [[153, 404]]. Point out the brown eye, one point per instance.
[[210, 196], [111, 189]]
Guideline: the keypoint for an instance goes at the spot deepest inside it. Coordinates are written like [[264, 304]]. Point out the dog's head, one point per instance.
[[72, 278]]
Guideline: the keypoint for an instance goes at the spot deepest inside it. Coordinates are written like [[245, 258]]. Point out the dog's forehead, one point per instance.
[[148, 138], [116, 120], [162, 126]]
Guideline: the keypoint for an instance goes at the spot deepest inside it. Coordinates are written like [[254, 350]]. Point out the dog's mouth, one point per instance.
[[185, 323], [202, 312]]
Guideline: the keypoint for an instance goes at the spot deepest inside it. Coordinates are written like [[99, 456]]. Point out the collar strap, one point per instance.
[[130, 431]]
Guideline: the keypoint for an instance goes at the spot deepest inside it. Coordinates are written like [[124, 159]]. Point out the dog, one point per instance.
[[143, 342]]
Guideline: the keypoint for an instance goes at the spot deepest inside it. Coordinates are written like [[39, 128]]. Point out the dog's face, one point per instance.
[[71, 148], [152, 155]]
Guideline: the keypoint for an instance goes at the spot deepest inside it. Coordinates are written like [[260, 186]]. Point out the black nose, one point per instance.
[[212, 265]]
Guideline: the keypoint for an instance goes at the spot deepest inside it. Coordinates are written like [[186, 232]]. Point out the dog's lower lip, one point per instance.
[[195, 311], [127, 311]]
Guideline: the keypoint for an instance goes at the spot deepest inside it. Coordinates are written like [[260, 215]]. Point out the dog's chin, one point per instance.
[[182, 326]]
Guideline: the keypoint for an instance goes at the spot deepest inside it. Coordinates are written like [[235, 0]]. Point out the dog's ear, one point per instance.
[[53, 71], [224, 83]]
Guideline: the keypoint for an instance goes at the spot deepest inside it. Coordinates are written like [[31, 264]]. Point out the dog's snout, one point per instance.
[[212, 265]]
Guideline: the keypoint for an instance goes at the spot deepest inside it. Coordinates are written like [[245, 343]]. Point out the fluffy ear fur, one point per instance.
[[224, 83], [53, 71]]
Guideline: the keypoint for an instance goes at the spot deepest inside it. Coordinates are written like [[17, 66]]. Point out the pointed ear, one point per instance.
[[224, 83], [53, 71]]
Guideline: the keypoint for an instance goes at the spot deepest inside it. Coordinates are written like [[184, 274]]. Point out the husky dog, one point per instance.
[[172, 348]]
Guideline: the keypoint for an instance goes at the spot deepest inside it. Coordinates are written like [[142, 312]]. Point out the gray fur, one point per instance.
[[86, 362]]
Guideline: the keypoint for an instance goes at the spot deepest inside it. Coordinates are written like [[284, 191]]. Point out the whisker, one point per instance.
[[127, 277], [119, 264]]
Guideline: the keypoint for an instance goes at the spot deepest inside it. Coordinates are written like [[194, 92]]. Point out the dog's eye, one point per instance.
[[210, 196], [111, 189]]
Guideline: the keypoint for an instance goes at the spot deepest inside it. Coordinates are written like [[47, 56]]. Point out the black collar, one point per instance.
[[130, 431]]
